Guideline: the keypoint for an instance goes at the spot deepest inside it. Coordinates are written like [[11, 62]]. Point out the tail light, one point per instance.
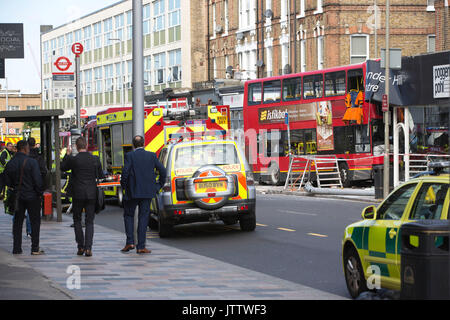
[[179, 188], [243, 208]]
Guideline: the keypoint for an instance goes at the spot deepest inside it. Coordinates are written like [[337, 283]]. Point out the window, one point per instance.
[[174, 13], [429, 202], [147, 71], [77, 35], [362, 139], [225, 13], [359, 45], [158, 13], [175, 65], [272, 91], [247, 13], [303, 141], [13, 108], [109, 76], [130, 73], [119, 78], [107, 26], [320, 53], [313, 86], [33, 107], [87, 31], [214, 24], [431, 44], [160, 67], [430, 5], [129, 25], [292, 89], [393, 207], [302, 8], [97, 35], [88, 81], [119, 22], [319, 8], [98, 79], [254, 93], [303, 55], [335, 84], [355, 80], [146, 17]]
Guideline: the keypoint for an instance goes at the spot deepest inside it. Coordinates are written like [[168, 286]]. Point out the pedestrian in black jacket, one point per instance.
[[86, 168], [34, 153], [29, 191]]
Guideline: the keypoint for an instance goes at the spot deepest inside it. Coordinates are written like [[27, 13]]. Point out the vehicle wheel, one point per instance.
[[165, 229], [344, 173], [248, 223], [354, 274], [274, 175]]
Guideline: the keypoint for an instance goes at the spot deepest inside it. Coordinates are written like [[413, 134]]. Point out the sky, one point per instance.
[[24, 74]]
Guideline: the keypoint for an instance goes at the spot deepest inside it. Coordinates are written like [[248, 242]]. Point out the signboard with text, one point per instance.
[[11, 40], [441, 81], [63, 77]]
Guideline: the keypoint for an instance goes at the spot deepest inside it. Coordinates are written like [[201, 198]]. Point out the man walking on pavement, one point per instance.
[[86, 169], [23, 176], [139, 183]]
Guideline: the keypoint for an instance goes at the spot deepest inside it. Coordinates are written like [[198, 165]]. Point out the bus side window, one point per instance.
[[313, 86], [254, 93], [355, 80], [335, 84], [272, 91], [292, 89]]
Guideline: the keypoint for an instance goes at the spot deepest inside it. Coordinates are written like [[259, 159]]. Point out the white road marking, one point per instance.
[[297, 212], [318, 235], [286, 229]]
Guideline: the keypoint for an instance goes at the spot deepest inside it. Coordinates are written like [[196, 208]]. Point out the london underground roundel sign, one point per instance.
[[62, 64]]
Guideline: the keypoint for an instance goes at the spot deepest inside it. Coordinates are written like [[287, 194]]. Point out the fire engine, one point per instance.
[[111, 137]]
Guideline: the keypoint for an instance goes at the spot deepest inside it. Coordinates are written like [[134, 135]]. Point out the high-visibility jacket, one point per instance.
[[8, 157], [354, 99]]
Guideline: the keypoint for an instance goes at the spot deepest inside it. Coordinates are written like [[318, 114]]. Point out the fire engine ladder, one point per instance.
[[297, 172], [327, 171]]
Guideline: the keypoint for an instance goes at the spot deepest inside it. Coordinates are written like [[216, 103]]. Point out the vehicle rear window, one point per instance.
[[196, 156]]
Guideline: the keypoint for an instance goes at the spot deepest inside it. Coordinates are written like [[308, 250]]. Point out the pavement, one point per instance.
[[167, 273], [268, 189]]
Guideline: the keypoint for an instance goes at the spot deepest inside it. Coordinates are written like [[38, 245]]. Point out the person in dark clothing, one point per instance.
[[86, 168], [35, 154], [22, 175], [139, 182]]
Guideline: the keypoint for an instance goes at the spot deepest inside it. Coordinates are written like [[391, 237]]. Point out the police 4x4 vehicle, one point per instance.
[[375, 242], [208, 179]]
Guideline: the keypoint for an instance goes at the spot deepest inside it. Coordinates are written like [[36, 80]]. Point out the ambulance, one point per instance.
[[113, 133]]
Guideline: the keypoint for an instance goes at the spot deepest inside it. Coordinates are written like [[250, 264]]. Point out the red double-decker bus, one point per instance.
[[327, 115]]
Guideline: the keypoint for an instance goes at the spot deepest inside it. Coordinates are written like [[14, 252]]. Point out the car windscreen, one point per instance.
[[196, 156]]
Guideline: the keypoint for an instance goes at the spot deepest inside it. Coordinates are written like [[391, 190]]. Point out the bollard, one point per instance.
[[425, 260]]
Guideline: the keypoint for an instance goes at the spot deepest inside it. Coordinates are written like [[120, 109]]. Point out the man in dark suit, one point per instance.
[[86, 168], [22, 175], [139, 183]]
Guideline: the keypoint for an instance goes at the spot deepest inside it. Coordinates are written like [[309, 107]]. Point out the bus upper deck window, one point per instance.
[[355, 80], [272, 91], [292, 89], [335, 84], [313, 86], [254, 93]]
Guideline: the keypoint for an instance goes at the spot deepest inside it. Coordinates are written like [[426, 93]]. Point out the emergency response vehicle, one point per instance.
[[208, 179], [114, 133], [375, 242]]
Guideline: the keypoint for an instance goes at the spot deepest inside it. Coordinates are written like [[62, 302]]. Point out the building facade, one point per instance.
[[17, 101], [174, 53], [261, 38]]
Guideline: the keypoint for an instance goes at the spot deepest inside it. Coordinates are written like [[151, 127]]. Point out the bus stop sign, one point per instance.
[[384, 106], [286, 118]]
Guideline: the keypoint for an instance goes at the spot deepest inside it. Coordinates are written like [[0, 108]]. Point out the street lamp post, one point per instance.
[[386, 113]]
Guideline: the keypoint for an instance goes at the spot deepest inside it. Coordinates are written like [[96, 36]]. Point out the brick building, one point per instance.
[[259, 38], [17, 101]]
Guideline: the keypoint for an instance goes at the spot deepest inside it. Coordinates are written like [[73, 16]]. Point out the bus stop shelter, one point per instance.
[[49, 125]]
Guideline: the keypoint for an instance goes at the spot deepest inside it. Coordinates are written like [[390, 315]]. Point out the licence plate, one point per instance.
[[216, 186]]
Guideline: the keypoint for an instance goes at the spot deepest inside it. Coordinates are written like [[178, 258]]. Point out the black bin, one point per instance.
[[378, 173], [425, 260]]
